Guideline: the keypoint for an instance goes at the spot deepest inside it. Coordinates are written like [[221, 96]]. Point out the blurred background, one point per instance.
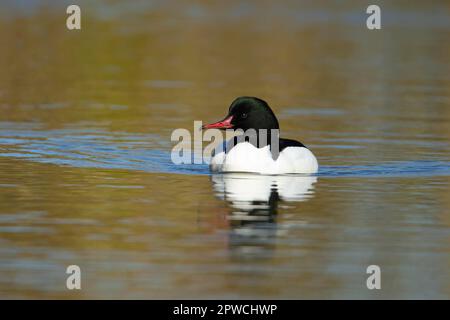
[[85, 173]]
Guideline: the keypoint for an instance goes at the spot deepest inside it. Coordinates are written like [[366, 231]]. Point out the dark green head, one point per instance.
[[247, 113]]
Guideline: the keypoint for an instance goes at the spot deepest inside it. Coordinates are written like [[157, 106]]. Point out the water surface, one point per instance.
[[86, 176]]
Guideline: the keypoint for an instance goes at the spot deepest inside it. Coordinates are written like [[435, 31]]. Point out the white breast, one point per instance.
[[244, 157]]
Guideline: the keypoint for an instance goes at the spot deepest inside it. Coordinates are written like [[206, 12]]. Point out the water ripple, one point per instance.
[[99, 149]]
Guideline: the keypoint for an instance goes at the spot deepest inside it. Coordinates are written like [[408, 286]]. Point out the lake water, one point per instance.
[[86, 176]]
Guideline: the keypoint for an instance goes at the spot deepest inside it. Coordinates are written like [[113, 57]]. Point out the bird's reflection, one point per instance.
[[254, 201]]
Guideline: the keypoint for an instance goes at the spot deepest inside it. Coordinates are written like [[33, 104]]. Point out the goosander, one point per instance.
[[252, 152]]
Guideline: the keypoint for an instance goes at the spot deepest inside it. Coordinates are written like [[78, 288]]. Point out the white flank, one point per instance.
[[244, 157]]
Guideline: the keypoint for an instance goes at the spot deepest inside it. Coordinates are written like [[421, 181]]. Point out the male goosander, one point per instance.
[[252, 153]]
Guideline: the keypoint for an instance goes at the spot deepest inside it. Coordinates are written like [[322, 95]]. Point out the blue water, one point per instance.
[[151, 153]]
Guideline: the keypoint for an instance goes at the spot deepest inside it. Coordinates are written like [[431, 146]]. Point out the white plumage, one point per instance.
[[244, 157]]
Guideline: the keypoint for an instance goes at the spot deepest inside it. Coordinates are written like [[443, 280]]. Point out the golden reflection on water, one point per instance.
[[355, 97]]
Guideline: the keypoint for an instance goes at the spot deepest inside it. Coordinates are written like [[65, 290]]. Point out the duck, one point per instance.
[[257, 146]]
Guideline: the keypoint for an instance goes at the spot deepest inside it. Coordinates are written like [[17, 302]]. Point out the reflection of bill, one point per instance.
[[254, 203]]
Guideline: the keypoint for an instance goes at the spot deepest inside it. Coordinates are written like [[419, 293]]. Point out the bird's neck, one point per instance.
[[260, 138]]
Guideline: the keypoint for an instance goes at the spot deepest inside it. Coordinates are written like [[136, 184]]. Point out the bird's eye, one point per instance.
[[244, 115]]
